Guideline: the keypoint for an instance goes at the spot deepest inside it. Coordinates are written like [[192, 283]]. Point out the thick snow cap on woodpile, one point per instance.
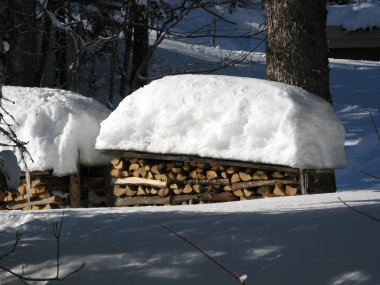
[[354, 17], [227, 118], [57, 125]]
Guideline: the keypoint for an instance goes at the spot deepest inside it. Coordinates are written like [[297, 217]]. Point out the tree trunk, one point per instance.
[[22, 54], [60, 54], [3, 24], [297, 52], [140, 49]]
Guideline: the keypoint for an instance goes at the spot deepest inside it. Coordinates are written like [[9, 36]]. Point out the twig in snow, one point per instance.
[[360, 212], [369, 174], [374, 125], [237, 277]]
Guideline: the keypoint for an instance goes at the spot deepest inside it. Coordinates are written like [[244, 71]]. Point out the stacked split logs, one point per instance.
[[46, 192], [139, 182]]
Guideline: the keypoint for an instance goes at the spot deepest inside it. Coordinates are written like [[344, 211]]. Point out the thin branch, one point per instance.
[[13, 249], [237, 277], [57, 228], [360, 212], [369, 174], [374, 125]]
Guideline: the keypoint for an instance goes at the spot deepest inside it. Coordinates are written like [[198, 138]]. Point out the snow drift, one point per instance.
[[57, 125], [354, 17], [228, 118]]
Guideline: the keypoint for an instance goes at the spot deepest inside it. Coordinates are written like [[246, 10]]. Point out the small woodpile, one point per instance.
[[138, 182], [46, 192], [87, 188]]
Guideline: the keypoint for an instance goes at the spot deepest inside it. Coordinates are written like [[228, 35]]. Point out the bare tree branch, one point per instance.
[[237, 277], [360, 212], [57, 228]]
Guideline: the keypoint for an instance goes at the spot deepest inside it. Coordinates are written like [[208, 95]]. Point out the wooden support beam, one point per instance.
[[74, 185], [50, 200], [175, 199], [257, 183]]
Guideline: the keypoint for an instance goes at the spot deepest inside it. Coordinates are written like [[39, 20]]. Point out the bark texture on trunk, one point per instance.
[[297, 44], [297, 55]]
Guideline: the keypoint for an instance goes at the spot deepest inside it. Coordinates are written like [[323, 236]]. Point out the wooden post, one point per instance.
[[75, 197]]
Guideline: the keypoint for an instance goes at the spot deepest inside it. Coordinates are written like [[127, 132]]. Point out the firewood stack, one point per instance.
[[46, 192], [138, 182]]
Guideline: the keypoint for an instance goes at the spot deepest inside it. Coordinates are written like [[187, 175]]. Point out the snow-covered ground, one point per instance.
[[301, 240]]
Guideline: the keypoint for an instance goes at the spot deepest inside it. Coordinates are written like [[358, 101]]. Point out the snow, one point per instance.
[[227, 118], [354, 17], [310, 240], [10, 169], [58, 126], [314, 239]]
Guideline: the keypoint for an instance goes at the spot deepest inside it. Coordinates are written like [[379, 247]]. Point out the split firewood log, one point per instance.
[[238, 193], [125, 173], [141, 191], [115, 173], [197, 188], [181, 177], [279, 190], [235, 178], [154, 191], [22, 189], [117, 163], [291, 190], [227, 188], [265, 190], [157, 168], [211, 174], [118, 191], [133, 167], [187, 189], [177, 191], [202, 176], [260, 175], [214, 166], [129, 191], [245, 176], [163, 192], [248, 193], [231, 170], [277, 174]]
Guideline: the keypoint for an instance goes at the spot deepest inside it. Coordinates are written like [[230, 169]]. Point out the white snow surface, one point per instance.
[[228, 118], [311, 239], [57, 125], [354, 17], [10, 168]]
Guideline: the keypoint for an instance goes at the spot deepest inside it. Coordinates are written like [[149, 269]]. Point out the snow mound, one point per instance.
[[10, 168], [227, 118], [57, 125], [355, 16]]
